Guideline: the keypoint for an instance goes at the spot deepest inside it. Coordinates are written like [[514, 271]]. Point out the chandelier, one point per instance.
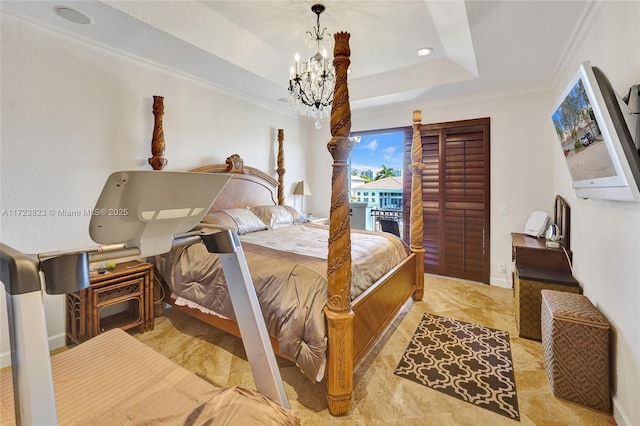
[[311, 82]]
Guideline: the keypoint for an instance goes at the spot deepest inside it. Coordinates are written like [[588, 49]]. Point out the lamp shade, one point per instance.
[[302, 189]]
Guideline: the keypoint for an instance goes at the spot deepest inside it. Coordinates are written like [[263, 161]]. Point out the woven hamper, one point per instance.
[[530, 281], [575, 340]]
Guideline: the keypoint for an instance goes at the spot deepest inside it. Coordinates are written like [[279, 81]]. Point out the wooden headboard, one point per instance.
[[248, 186], [562, 218]]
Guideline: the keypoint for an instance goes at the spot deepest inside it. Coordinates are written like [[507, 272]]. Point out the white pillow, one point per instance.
[[246, 221], [274, 216]]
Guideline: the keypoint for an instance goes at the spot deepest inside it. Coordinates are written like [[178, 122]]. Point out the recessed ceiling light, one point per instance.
[[73, 15], [424, 51]]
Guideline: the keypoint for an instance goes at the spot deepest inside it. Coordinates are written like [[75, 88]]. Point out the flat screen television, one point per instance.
[[598, 135]]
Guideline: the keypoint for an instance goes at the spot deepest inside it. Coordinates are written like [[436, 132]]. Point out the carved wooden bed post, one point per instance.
[[157, 142], [280, 170], [338, 310], [416, 168]]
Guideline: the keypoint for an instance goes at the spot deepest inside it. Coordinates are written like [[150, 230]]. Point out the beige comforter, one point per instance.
[[288, 267]]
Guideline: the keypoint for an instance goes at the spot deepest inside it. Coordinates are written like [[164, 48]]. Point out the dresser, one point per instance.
[[318, 220]]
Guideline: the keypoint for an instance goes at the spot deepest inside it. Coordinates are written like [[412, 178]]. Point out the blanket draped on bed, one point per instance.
[[288, 267]]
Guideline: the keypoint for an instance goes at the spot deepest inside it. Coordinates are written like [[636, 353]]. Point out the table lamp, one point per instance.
[[302, 189]]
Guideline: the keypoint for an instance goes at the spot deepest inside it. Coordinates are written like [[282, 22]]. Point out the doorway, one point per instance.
[[376, 184], [455, 197]]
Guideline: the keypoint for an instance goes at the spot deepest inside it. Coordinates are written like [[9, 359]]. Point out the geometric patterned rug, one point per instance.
[[467, 361]]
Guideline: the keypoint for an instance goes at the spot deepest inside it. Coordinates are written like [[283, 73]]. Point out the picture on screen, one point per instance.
[[580, 137]]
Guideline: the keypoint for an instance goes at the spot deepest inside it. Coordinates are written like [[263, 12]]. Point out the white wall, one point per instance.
[[72, 114], [606, 234], [521, 159]]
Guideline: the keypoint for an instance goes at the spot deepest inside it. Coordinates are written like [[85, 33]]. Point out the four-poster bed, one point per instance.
[[353, 322]]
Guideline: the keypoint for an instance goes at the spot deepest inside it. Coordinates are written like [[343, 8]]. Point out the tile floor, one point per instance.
[[381, 398]]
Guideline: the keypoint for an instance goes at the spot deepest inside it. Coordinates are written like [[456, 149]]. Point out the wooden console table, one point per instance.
[[537, 268], [527, 250], [120, 298]]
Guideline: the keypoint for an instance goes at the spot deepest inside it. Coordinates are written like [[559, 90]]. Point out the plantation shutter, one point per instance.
[[455, 198]]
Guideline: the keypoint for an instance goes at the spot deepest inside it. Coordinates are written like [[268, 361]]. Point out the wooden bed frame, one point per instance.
[[352, 326]]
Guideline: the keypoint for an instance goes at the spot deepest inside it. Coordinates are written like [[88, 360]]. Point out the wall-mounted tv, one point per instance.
[[597, 132]]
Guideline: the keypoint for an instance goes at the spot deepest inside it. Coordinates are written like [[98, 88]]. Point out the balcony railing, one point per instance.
[[391, 214]]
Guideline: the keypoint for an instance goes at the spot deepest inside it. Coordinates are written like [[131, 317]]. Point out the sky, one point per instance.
[[375, 150]]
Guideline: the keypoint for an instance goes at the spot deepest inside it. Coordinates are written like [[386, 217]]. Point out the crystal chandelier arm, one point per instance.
[[304, 98], [322, 96]]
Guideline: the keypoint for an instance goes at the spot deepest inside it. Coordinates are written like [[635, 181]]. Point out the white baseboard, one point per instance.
[[620, 416], [55, 342], [5, 359], [500, 282]]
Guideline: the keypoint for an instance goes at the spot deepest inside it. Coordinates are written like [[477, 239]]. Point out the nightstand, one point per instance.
[[318, 220], [120, 298]]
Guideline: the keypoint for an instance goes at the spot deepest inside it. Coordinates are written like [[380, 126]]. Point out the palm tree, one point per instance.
[[384, 173]]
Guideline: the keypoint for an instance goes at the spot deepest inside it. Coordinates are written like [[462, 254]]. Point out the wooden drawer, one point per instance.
[[526, 250]]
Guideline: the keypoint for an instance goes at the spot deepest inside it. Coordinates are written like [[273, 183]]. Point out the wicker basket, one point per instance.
[[528, 300], [575, 339]]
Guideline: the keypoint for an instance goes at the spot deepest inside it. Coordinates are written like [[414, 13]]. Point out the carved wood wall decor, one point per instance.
[[157, 161]]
